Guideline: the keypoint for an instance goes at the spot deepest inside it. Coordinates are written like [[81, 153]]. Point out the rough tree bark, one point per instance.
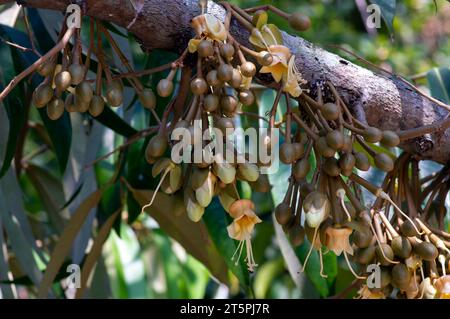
[[384, 102]]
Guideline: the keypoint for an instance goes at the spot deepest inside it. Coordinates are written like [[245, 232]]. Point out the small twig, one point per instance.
[[26, 159], [131, 140], [14, 45], [418, 76], [30, 33]]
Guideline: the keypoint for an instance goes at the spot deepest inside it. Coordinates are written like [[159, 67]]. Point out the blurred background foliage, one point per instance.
[[54, 174]]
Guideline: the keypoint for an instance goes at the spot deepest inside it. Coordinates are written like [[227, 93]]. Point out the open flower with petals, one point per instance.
[[338, 240], [292, 79], [265, 36], [317, 208], [413, 262], [207, 26], [427, 290], [411, 289], [366, 293], [442, 285], [242, 227], [279, 66]]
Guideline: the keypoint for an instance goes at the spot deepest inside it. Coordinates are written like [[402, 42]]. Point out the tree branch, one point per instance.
[[387, 102]]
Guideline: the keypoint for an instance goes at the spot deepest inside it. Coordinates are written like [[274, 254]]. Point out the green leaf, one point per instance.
[[19, 244], [111, 27], [388, 8], [13, 103], [16, 115], [95, 253], [265, 276], [128, 268], [439, 83], [50, 191], [192, 236], [313, 268], [17, 226], [111, 120], [64, 244]]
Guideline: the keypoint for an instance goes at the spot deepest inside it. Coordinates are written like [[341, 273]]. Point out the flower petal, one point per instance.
[[193, 45], [215, 28]]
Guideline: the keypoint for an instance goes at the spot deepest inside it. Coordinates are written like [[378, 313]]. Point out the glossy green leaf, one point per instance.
[[95, 253], [111, 120], [13, 103], [439, 83], [50, 191], [65, 242]]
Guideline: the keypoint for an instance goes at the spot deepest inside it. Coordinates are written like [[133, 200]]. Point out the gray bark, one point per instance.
[[386, 102]]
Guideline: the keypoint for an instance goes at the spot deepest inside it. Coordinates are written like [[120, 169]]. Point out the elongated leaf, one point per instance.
[[313, 268], [64, 244], [192, 236], [19, 244], [95, 253], [439, 83], [265, 276], [115, 123], [16, 116], [12, 203], [127, 267], [7, 290], [50, 190], [13, 102], [9, 15]]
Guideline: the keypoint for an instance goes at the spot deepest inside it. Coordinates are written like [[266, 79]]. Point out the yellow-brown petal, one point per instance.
[[193, 45], [239, 207], [337, 240], [215, 28], [442, 286]]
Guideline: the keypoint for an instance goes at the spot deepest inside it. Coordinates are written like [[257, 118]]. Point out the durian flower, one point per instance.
[[317, 207], [413, 262], [265, 36], [292, 79], [366, 293], [209, 27], [338, 240], [242, 228], [427, 290], [193, 45], [279, 66], [412, 289], [442, 285]]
